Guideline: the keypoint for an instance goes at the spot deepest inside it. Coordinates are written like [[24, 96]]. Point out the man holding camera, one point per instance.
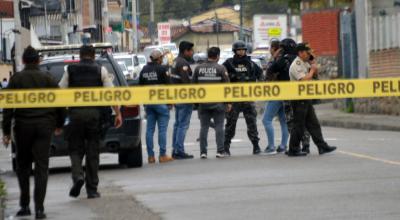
[[304, 68]]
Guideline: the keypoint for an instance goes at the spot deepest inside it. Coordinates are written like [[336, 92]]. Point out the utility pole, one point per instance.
[[105, 21], [217, 26], [64, 25], [2, 14], [45, 20], [152, 31], [134, 28], [241, 20], [18, 46]]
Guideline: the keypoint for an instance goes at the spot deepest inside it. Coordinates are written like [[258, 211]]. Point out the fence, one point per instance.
[[384, 32]]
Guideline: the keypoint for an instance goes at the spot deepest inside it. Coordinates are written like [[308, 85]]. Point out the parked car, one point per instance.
[[142, 61], [172, 47], [125, 141], [131, 61], [147, 51], [124, 70]]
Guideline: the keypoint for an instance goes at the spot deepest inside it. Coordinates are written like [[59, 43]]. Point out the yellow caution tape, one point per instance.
[[198, 93]]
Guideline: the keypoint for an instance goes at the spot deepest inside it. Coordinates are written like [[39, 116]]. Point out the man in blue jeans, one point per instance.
[[181, 74], [155, 74], [283, 54]]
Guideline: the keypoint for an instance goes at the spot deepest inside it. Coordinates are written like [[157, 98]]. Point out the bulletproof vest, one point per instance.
[[84, 74], [209, 73], [176, 75], [243, 70]]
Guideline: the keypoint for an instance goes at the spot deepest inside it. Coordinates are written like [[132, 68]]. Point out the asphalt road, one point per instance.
[[359, 181]]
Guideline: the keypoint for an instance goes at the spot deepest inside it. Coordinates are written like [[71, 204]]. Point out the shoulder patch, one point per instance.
[[298, 62]]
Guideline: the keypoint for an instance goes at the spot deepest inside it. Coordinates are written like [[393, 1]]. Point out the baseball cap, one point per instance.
[[156, 54], [302, 47]]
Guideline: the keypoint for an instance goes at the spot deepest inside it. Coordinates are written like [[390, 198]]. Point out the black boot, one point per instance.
[[326, 149], [227, 150], [306, 149], [76, 188], [256, 149], [24, 211], [295, 153], [40, 214]]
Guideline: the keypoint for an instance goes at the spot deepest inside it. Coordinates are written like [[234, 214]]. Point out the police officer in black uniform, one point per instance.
[[33, 130], [83, 132], [155, 74], [242, 70], [208, 73]]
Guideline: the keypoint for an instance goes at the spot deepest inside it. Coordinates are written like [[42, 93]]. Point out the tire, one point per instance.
[[132, 158]]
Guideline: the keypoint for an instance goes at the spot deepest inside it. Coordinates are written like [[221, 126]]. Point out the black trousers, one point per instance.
[[33, 145], [83, 136], [250, 115], [304, 117]]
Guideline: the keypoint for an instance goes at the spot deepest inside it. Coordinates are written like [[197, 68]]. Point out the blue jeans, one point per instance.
[[157, 114], [272, 109], [183, 113]]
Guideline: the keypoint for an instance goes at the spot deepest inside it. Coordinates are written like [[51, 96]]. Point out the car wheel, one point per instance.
[[132, 158]]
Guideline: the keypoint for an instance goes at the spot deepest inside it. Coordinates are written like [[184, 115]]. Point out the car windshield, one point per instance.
[[127, 61], [170, 47], [142, 60]]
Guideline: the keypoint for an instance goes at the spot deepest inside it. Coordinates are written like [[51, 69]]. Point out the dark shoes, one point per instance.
[[40, 214], [227, 151], [93, 195], [306, 149], [256, 149], [292, 153], [182, 156], [326, 149], [24, 211], [76, 188]]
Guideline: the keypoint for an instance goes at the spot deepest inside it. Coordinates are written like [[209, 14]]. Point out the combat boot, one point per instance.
[[306, 149], [256, 149], [326, 149]]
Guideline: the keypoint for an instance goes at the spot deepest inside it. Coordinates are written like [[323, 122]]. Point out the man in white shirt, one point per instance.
[[304, 68]]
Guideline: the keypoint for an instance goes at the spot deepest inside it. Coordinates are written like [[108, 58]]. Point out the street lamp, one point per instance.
[[239, 7]]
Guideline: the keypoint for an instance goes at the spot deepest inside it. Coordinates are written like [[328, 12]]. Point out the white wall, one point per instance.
[[8, 25]]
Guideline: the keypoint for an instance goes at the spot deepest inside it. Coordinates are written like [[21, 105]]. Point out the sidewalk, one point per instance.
[[328, 116]]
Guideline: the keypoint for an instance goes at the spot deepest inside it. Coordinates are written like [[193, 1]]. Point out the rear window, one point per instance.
[[57, 69]]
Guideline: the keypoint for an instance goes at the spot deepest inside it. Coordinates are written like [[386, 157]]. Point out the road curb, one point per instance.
[[357, 125]]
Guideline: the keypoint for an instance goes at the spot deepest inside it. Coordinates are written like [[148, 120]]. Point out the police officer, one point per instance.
[[83, 131], [241, 69], [302, 69], [181, 74], [33, 130], [208, 73], [156, 74]]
